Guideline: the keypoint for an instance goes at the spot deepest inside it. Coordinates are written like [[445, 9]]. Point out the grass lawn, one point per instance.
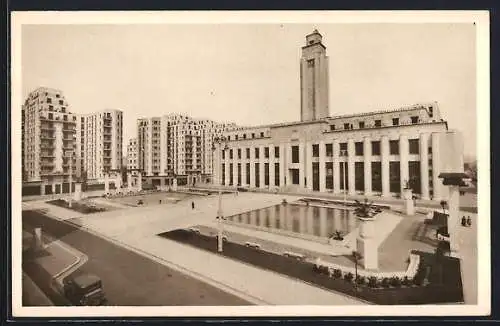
[[444, 279], [76, 206]]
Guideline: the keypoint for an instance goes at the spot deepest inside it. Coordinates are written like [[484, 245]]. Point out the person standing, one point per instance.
[[192, 205], [469, 221]]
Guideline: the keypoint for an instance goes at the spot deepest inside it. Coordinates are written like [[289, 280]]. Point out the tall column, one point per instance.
[[271, 166], [235, 167], [424, 165], [367, 151], [226, 170], [350, 162], [283, 168], [403, 161], [252, 167], [336, 167], [288, 151], [302, 172], [322, 167], [243, 167], [436, 182], [261, 167], [384, 158], [215, 167], [308, 164]]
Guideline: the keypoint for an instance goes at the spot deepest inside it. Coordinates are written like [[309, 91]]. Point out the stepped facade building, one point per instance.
[[176, 146], [374, 153], [48, 142]]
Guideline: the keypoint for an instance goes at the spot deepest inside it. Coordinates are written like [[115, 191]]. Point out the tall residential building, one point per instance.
[[101, 143], [374, 153], [132, 155], [48, 140], [176, 145], [314, 79]]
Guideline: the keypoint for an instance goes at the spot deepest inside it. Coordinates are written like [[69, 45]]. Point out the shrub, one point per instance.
[[386, 282], [337, 273], [361, 280], [323, 270], [316, 268], [406, 281], [372, 282], [348, 277], [395, 281]]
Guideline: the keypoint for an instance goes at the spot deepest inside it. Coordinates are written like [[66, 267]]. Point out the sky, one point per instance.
[[249, 73]]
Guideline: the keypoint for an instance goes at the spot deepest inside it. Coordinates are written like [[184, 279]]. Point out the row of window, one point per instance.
[[256, 153], [358, 150], [244, 136], [377, 123]]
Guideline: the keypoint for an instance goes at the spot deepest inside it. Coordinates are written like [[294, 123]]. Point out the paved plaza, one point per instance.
[[136, 229]]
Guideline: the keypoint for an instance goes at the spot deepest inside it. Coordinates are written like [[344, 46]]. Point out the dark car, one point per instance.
[[84, 290]]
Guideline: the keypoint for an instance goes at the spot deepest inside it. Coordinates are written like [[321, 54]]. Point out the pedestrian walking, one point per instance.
[[192, 205], [469, 221], [464, 221]]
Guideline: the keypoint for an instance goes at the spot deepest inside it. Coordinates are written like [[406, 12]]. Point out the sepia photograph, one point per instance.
[[250, 164]]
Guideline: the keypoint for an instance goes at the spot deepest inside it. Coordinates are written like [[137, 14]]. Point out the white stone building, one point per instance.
[[374, 153], [100, 136], [176, 145], [48, 141]]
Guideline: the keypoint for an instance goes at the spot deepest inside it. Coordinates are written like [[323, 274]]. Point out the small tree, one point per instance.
[[365, 209], [443, 204]]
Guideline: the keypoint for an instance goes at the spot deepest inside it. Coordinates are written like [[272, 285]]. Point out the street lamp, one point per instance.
[[357, 256], [343, 153], [220, 213]]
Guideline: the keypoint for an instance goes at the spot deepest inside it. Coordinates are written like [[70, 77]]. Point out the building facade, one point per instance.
[[48, 141], [132, 155], [375, 153], [101, 143], [176, 145]]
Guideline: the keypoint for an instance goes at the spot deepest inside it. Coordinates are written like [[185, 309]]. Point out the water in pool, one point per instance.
[[309, 220]]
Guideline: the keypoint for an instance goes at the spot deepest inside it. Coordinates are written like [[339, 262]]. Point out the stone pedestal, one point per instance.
[[453, 220], [409, 205], [106, 183], [37, 239], [77, 195], [366, 244]]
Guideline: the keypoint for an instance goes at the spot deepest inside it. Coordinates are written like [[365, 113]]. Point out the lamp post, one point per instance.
[[357, 256], [343, 153], [220, 213], [219, 216]]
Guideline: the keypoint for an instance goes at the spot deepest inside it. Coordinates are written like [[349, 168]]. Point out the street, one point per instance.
[[128, 278]]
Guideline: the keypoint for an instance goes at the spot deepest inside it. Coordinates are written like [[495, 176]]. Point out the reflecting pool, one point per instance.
[[300, 219]]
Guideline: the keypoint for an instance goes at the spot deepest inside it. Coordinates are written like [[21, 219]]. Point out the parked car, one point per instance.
[[84, 290]]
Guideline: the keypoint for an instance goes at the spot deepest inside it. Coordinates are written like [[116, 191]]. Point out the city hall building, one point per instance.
[[374, 153]]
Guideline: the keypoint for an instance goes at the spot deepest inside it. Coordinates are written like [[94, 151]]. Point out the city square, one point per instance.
[[274, 184]]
